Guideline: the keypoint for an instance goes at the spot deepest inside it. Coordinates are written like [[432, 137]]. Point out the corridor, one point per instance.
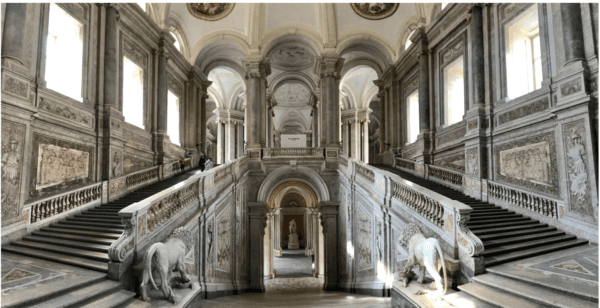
[[293, 263]]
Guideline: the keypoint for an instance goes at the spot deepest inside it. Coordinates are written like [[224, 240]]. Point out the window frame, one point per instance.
[[125, 40], [84, 18], [175, 86], [408, 123], [460, 38]]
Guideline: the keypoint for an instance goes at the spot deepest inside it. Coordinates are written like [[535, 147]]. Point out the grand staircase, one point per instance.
[[507, 237], [82, 240]]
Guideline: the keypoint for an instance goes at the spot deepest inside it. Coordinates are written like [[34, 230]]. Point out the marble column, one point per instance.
[[308, 139], [277, 238], [328, 67], [230, 140], [329, 213], [572, 29], [220, 141], [268, 251], [477, 55], [202, 124], [345, 136], [258, 222], [240, 140], [314, 113], [382, 115], [354, 139], [14, 36], [257, 71], [162, 139], [365, 148], [317, 249], [424, 92]]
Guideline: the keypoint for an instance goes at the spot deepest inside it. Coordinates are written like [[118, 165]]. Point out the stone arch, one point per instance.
[[174, 26], [288, 33], [287, 77], [283, 188], [300, 174]]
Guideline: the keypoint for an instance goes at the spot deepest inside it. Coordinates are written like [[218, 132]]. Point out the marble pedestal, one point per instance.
[[293, 242]]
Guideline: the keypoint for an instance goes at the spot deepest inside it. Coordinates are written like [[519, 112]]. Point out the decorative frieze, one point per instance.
[[13, 143], [364, 240], [174, 86], [511, 8], [15, 86], [472, 124], [60, 164], [451, 52], [451, 136], [75, 8], [132, 136], [365, 173], [576, 165], [136, 54], [82, 118], [224, 249], [571, 87], [521, 112], [452, 161]]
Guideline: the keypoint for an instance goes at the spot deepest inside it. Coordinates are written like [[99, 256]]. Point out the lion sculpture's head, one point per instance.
[[185, 236], [408, 232]]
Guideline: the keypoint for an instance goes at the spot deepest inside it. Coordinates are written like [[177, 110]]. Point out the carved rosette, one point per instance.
[[467, 241], [123, 247]]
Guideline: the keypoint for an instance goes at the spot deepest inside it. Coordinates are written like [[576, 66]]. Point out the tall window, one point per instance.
[[523, 54], [454, 92], [173, 118], [408, 41], [142, 5], [413, 116], [64, 53], [177, 43], [133, 93]]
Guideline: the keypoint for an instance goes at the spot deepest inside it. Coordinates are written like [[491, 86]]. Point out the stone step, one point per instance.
[[486, 212], [532, 252], [113, 207], [80, 253], [93, 217], [116, 299], [102, 224], [106, 212], [464, 300], [506, 229], [513, 240], [503, 224], [493, 217], [526, 245], [64, 225], [497, 220], [495, 297], [79, 296], [56, 257], [510, 234], [71, 237], [532, 292], [109, 235], [67, 243]]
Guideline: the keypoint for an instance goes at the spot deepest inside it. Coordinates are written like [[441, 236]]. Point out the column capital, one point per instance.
[[256, 67], [329, 66]]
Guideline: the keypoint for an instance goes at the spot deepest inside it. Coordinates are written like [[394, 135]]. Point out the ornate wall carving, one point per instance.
[[577, 163], [453, 161], [13, 142], [59, 164], [210, 11], [529, 162], [133, 163], [224, 239], [523, 111], [135, 53], [116, 167], [374, 11], [15, 86], [79, 117], [472, 162], [132, 136], [364, 239], [570, 87], [451, 136], [451, 52]]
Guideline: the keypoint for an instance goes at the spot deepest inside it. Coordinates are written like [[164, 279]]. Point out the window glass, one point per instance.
[[173, 117], [444, 5], [413, 114], [408, 41], [523, 54], [454, 92], [133, 93], [177, 44], [64, 53], [142, 5]]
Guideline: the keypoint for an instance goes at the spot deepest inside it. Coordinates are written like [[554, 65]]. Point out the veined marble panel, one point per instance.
[[364, 239], [577, 163], [13, 142], [224, 239]]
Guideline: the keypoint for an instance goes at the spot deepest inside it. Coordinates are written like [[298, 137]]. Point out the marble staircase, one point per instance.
[[82, 240], [506, 235]]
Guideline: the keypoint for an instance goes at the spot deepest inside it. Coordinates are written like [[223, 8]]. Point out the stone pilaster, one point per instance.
[[277, 238], [197, 85], [308, 138], [230, 140], [328, 67], [329, 213], [257, 71], [425, 138], [240, 139], [162, 139], [383, 142], [572, 32], [258, 222], [221, 140], [277, 139], [314, 113]]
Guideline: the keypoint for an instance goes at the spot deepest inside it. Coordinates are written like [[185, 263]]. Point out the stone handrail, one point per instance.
[[405, 163], [55, 205], [142, 176], [523, 199], [365, 172], [295, 152], [444, 174], [150, 216]]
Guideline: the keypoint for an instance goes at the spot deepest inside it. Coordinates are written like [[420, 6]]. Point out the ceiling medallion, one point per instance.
[[210, 11], [375, 11]]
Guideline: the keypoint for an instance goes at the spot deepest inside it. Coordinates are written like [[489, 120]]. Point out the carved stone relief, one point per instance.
[[133, 163], [210, 11], [132, 136], [58, 164], [451, 52], [117, 164], [15, 86], [141, 225], [529, 162], [577, 163], [224, 239], [174, 86], [375, 11], [134, 53], [570, 87], [452, 136], [293, 200], [523, 111], [472, 162], [472, 124], [364, 239], [292, 56], [455, 161], [85, 119], [379, 241], [13, 141]]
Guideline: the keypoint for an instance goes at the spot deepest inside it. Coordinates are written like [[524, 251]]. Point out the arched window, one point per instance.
[[177, 43], [173, 117], [408, 41], [64, 44]]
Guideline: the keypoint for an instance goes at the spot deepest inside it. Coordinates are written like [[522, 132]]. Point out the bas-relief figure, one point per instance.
[[13, 137], [364, 240], [57, 165], [209, 245], [472, 159], [379, 241], [224, 240], [116, 167], [210, 11], [576, 167], [530, 163], [374, 11], [165, 258]]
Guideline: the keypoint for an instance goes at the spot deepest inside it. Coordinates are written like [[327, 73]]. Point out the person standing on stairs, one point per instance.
[[182, 164]]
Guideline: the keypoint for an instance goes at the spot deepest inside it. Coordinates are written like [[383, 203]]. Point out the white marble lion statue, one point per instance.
[[425, 252], [166, 257]]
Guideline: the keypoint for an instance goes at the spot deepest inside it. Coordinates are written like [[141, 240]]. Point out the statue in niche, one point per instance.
[[293, 226], [11, 162], [116, 165], [577, 172], [473, 168]]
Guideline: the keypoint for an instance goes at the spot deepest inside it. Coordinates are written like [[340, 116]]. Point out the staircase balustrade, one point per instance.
[[142, 177], [526, 200], [446, 175], [294, 152], [405, 163], [365, 172], [52, 206], [344, 161]]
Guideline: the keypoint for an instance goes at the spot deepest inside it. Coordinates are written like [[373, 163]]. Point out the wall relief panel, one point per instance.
[[13, 142], [59, 164], [577, 163], [454, 161], [530, 163], [523, 111], [82, 118], [224, 240], [133, 163], [364, 239], [472, 162]]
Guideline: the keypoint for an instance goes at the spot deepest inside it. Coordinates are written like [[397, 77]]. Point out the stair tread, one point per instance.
[[512, 228], [495, 297], [80, 232], [56, 257], [464, 300], [73, 237], [503, 224], [528, 244], [100, 256], [63, 242], [63, 225], [501, 219], [93, 218], [521, 254], [79, 295], [528, 237], [531, 291], [112, 300], [92, 224]]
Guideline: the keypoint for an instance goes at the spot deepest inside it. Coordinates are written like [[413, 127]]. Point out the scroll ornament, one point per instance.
[[123, 247]]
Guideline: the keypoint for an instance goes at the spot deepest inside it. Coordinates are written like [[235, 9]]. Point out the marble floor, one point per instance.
[[298, 292], [292, 263]]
